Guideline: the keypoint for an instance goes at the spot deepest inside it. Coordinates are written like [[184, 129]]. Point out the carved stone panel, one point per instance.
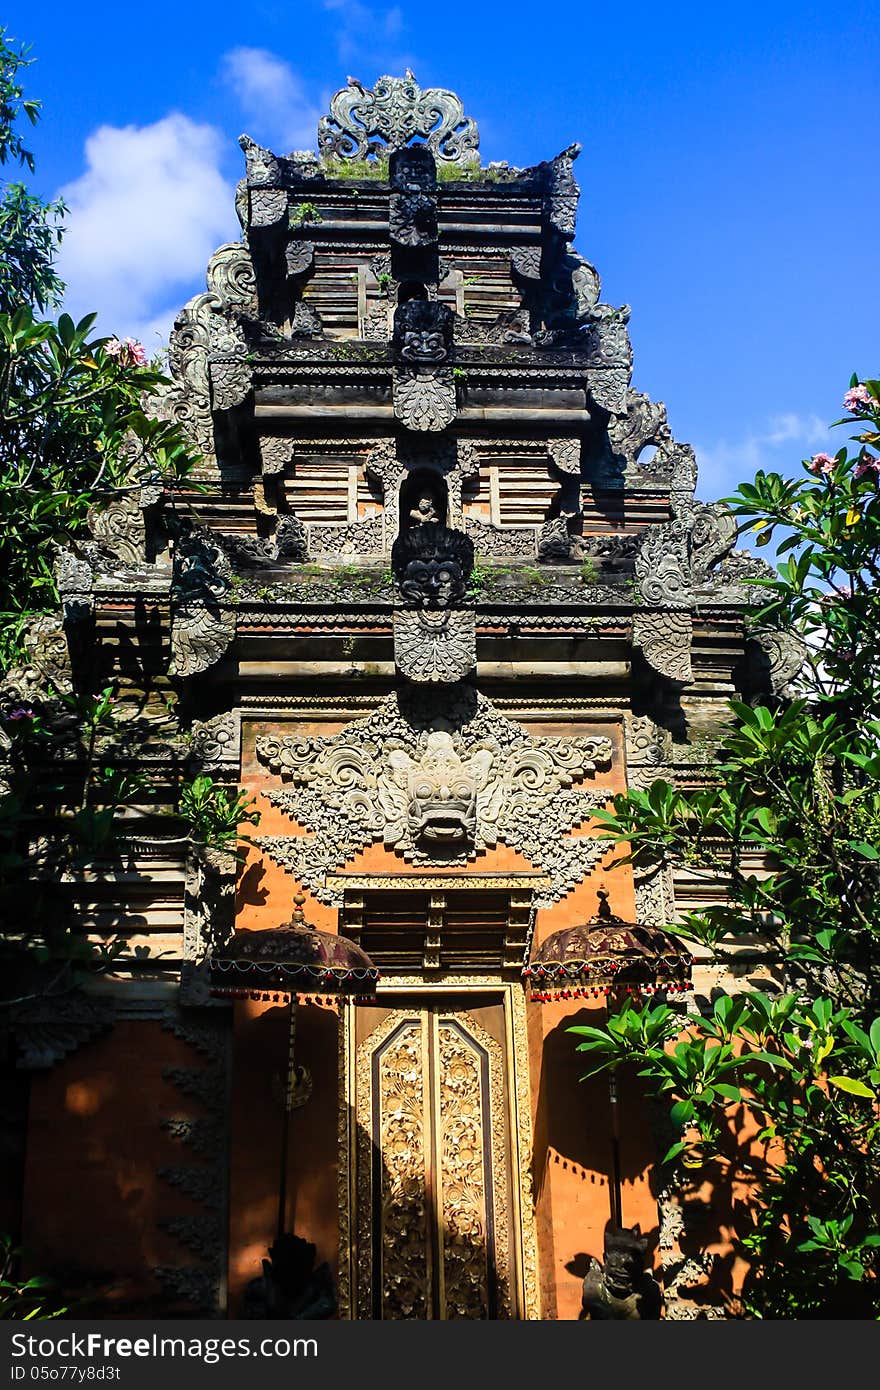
[[437, 776], [435, 645], [424, 398]]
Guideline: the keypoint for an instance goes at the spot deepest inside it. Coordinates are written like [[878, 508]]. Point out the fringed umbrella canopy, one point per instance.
[[294, 956], [606, 954]]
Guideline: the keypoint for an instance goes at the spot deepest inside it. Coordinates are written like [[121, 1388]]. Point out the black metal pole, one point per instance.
[[616, 1203], [290, 1082]]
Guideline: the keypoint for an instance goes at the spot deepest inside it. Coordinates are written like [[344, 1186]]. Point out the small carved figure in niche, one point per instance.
[[621, 1287], [422, 498], [422, 331], [290, 1285], [432, 565]]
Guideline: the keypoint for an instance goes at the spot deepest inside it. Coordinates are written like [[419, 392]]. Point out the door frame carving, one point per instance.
[[522, 1226]]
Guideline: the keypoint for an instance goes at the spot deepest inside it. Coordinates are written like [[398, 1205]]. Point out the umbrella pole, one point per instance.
[[285, 1124], [616, 1203]]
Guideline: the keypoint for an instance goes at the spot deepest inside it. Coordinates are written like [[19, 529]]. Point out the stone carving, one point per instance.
[[435, 646], [46, 668], [288, 542], [49, 1027], [424, 399], [216, 743], [206, 327], [621, 1287], [432, 565], [305, 322], [396, 110], [783, 653], [356, 787], [606, 337], [231, 276], [422, 331], [566, 454], [662, 565], [276, 452], [647, 744], [554, 539], [412, 206], [230, 383], [120, 526], [201, 626], [562, 191], [664, 636], [299, 256], [364, 537], [642, 424], [521, 541]]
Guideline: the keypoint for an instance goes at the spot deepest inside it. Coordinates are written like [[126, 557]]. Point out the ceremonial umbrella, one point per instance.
[[276, 964], [604, 956]]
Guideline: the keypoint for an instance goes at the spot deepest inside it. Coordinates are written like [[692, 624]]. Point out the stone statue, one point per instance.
[[621, 1287], [290, 1285]]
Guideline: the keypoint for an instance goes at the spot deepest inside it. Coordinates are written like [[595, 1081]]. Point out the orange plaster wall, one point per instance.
[[260, 1049], [93, 1196]]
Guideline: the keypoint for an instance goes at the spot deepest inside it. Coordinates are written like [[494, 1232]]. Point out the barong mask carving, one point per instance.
[[438, 779]]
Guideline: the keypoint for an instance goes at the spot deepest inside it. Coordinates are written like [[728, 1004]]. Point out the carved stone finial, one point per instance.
[[365, 122]]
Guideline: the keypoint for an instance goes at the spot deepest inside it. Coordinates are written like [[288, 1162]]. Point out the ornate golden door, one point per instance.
[[434, 1231]]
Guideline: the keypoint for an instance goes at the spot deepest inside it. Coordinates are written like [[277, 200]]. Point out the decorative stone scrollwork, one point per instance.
[[201, 627], [216, 743], [662, 566], [396, 110], [424, 399], [438, 646], [561, 197], [206, 328], [299, 256], [230, 383], [120, 527], [519, 541], [644, 423], [664, 636], [783, 654], [305, 322], [438, 779], [364, 537], [50, 1027]]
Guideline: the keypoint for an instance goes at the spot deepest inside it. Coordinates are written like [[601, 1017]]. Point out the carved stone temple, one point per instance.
[[443, 590]]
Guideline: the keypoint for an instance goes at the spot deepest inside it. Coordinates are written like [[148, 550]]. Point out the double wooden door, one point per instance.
[[434, 1233]]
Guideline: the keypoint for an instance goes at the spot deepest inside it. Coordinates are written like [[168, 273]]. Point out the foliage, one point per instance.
[[29, 229], [214, 813], [792, 827], [24, 1299], [304, 212]]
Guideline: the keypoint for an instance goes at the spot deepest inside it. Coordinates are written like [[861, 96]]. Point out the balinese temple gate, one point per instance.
[[444, 590]]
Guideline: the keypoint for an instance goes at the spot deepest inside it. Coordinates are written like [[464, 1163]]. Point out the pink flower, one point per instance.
[[858, 399], [843, 590], [130, 352], [866, 464], [21, 713], [821, 463], [136, 351]]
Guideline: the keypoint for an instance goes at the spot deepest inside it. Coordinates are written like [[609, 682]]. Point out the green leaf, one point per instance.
[[852, 1086]]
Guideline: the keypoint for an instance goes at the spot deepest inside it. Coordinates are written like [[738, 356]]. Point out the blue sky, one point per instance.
[[729, 173]]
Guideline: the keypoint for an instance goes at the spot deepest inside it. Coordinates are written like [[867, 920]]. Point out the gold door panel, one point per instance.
[[433, 1167]]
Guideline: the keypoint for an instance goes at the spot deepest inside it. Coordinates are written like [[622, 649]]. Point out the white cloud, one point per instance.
[[778, 447], [144, 220], [272, 97], [370, 34]]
